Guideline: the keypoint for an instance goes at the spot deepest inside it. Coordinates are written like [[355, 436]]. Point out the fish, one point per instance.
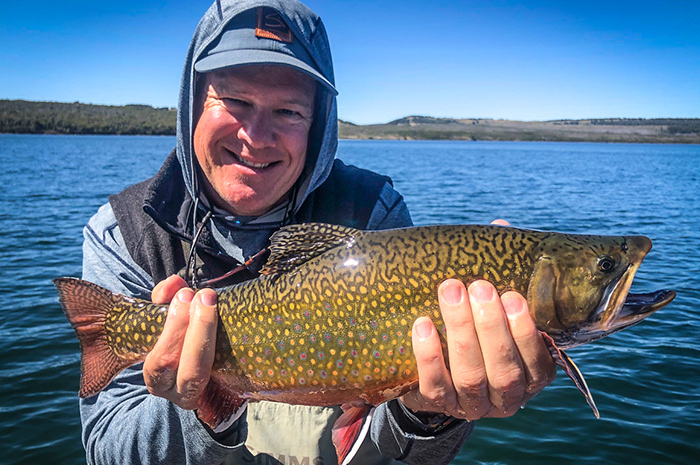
[[328, 322]]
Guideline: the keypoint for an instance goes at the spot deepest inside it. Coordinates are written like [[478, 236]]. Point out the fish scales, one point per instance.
[[343, 320], [330, 320]]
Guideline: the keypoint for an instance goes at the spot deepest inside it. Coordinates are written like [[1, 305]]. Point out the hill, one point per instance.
[[22, 116], [27, 117], [657, 130]]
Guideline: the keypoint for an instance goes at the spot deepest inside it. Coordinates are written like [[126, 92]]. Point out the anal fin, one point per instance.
[[217, 404], [570, 368], [350, 430]]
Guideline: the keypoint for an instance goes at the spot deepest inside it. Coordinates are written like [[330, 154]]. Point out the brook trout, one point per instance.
[[329, 320]]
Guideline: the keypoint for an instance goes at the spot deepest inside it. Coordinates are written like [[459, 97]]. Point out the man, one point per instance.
[[257, 134]]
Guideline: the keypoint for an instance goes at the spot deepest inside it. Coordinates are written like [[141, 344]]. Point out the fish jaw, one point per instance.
[[618, 310]]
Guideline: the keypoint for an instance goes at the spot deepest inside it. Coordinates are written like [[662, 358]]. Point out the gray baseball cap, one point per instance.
[[260, 36]]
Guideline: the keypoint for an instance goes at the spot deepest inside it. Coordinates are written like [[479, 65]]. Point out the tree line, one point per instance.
[[26, 117]]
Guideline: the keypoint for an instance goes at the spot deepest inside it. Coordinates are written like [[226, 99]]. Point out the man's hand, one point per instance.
[[497, 359], [179, 366]]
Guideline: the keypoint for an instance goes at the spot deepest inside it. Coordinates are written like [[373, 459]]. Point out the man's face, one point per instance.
[[251, 136]]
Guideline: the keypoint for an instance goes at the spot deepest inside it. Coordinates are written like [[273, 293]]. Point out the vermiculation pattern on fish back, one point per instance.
[[343, 320]]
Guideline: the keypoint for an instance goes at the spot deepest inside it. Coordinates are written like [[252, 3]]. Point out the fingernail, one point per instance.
[[513, 305], [481, 291], [209, 298], [424, 329], [452, 293], [185, 295]]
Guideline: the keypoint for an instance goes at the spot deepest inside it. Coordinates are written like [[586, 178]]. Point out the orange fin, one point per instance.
[[572, 370], [217, 404], [349, 430], [86, 306]]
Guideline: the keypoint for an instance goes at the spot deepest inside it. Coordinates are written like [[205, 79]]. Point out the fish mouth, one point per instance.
[[618, 310], [639, 306]]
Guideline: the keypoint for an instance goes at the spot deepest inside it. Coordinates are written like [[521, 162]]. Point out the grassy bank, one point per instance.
[[26, 117]]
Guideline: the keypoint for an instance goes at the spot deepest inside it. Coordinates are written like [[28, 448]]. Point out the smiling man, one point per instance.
[[256, 143]]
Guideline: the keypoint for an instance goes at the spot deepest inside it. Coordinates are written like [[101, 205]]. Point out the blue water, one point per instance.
[[645, 379]]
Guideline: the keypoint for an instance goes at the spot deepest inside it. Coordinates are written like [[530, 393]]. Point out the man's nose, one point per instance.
[[258, 131]]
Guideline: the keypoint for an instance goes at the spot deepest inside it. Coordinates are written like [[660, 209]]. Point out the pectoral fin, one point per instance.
[[349, 430], [572, 370]]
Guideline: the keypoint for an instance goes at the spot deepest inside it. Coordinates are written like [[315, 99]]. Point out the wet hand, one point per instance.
[[496, 357], [179, 366]]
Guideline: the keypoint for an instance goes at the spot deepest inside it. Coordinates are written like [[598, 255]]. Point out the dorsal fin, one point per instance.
[[298, 243]]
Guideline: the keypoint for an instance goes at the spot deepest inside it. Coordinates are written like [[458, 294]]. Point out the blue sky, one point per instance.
[[524, 60]]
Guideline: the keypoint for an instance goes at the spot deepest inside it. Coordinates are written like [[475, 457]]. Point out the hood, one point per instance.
[[323, 135]]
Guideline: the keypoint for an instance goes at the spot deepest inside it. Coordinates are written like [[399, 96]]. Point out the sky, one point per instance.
[[501, 59]]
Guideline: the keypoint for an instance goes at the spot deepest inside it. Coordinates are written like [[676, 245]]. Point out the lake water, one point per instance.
[[645, 379]]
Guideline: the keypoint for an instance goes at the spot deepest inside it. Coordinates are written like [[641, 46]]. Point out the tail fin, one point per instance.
[[86, 306]]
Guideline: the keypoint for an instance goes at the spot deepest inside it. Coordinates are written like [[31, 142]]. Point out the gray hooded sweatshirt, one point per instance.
[[125, 424]]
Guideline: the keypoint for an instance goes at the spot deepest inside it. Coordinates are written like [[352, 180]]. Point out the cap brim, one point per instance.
[[231, 58]]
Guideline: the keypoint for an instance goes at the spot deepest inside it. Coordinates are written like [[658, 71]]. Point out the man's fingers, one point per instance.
[[466, 362], [537, 362], [161, 365], [501, 358], [165, 290], [198, 350], [435, 392]]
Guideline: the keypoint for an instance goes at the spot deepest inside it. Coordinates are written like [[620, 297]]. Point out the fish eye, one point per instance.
[[606, 264]]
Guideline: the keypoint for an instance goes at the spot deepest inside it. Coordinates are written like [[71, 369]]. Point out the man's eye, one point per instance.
[[290, 113], [234, 102]]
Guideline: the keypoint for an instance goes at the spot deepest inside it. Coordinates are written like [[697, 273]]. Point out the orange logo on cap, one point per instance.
[[271, 26]]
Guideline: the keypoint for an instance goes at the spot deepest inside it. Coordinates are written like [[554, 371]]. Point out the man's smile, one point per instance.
[[249, 163]]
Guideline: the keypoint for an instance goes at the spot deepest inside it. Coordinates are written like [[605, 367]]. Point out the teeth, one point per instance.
[[250, 164]]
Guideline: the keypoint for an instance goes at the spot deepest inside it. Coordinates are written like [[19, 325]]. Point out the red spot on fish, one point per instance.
[[302, 355], [291, 361], [307, 314]]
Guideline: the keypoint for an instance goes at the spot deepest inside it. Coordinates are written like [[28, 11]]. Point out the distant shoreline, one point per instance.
[[28, 117]]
